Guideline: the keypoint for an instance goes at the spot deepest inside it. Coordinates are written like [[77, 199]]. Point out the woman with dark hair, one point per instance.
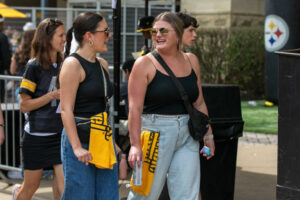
[[158, 120], [39, 101], [85, 87], [22, 55], [190, 25]]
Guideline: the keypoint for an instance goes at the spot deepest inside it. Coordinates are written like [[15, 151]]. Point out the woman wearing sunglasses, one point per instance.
[[188, 39], [155, 107], [84, 80], [39, 101]]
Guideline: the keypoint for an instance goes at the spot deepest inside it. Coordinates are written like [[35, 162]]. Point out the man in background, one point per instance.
[[127, 67], [5, 56], [144, 26]]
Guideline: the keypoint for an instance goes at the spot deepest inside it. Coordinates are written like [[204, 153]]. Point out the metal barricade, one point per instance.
[[131, 41], [10, 153]]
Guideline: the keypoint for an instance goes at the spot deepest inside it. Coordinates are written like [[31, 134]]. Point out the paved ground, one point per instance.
[[256, 172]]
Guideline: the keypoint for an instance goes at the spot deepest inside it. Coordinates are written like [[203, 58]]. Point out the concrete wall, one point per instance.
[[225, 13], [247, 12], [254, 7], [205, 6]]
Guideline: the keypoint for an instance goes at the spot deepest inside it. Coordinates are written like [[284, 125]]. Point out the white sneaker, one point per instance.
[[15, 191]]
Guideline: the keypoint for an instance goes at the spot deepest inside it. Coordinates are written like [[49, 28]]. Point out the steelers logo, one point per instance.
[[276, 33]]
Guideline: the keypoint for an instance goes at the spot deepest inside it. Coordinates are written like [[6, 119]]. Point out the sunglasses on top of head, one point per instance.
[[105, 31], [52, 24], [163, 31]]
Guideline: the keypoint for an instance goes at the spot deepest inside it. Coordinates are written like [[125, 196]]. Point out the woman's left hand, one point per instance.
[[210, 143]]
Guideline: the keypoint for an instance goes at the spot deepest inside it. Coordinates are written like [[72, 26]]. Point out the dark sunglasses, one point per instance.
[[105, 31], [163, 31], [52, 25]]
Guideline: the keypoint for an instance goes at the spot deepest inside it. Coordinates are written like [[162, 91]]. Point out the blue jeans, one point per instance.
[[178, 159], [86, 182]]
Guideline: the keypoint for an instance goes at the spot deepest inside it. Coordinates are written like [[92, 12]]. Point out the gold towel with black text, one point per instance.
[[149, 144], [101, 142]]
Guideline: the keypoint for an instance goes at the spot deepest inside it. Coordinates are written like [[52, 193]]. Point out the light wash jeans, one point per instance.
[[178, 159], [86, 182]]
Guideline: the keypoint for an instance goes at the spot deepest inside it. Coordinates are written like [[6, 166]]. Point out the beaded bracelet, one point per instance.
[[207, 137]]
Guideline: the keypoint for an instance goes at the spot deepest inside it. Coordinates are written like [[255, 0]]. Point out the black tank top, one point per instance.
[[163, 97], [90, 94]]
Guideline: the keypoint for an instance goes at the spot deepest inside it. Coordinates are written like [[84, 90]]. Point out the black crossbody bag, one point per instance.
[[199, 122]]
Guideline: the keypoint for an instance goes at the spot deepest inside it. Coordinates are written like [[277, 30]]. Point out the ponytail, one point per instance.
[[69, 38]]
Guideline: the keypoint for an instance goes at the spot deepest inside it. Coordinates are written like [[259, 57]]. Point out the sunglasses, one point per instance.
[[52, 25], [163, 31], [105, 31]]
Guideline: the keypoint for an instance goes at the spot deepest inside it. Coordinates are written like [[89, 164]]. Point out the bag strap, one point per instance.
[[105, 89], [183, 94], [104, 81]]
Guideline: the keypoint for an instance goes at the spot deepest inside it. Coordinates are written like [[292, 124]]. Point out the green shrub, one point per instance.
[[233, 56]]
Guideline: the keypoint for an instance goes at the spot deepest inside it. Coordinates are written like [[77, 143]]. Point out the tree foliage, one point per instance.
[[233, 56]]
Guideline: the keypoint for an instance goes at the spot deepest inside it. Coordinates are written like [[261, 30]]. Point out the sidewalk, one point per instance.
[[256, 172]]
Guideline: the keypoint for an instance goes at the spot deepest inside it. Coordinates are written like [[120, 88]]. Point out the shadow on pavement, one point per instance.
[[249, 185]]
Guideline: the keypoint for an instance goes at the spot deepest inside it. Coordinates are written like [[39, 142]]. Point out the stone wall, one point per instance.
[[225, 13]]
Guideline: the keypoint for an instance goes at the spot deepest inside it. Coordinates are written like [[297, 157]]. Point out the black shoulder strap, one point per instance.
[[183, 94]]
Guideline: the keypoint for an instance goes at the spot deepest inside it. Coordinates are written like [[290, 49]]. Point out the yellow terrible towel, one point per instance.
[[101, 142], [150, 144]]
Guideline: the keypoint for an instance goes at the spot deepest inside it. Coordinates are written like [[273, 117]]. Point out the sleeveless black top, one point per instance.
[[163, 97], [90, 98]]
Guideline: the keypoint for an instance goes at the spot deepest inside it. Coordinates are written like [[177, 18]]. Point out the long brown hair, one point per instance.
[[22, 55], [41, 44]]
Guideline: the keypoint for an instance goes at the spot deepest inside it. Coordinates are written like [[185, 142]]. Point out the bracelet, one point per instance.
[[3, 125], [207, 137]]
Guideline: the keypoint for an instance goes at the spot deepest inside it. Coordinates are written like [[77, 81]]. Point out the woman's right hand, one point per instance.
[[135, 154], [83, 155], [55, 94]]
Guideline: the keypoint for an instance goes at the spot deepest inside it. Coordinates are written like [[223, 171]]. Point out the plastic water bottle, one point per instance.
[[137, 174]]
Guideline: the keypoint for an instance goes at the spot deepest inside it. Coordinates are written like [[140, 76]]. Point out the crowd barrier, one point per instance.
[[10, 154]]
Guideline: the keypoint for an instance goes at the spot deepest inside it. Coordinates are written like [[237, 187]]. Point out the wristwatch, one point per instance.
[[3, 125]]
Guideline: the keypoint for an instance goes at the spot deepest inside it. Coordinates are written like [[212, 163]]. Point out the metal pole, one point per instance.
[[117, 53], [146, 7], [44, 3], [146, 14]]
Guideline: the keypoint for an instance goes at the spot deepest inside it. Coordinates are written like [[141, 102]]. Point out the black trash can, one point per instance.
[[288, 181], [218, 174]]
